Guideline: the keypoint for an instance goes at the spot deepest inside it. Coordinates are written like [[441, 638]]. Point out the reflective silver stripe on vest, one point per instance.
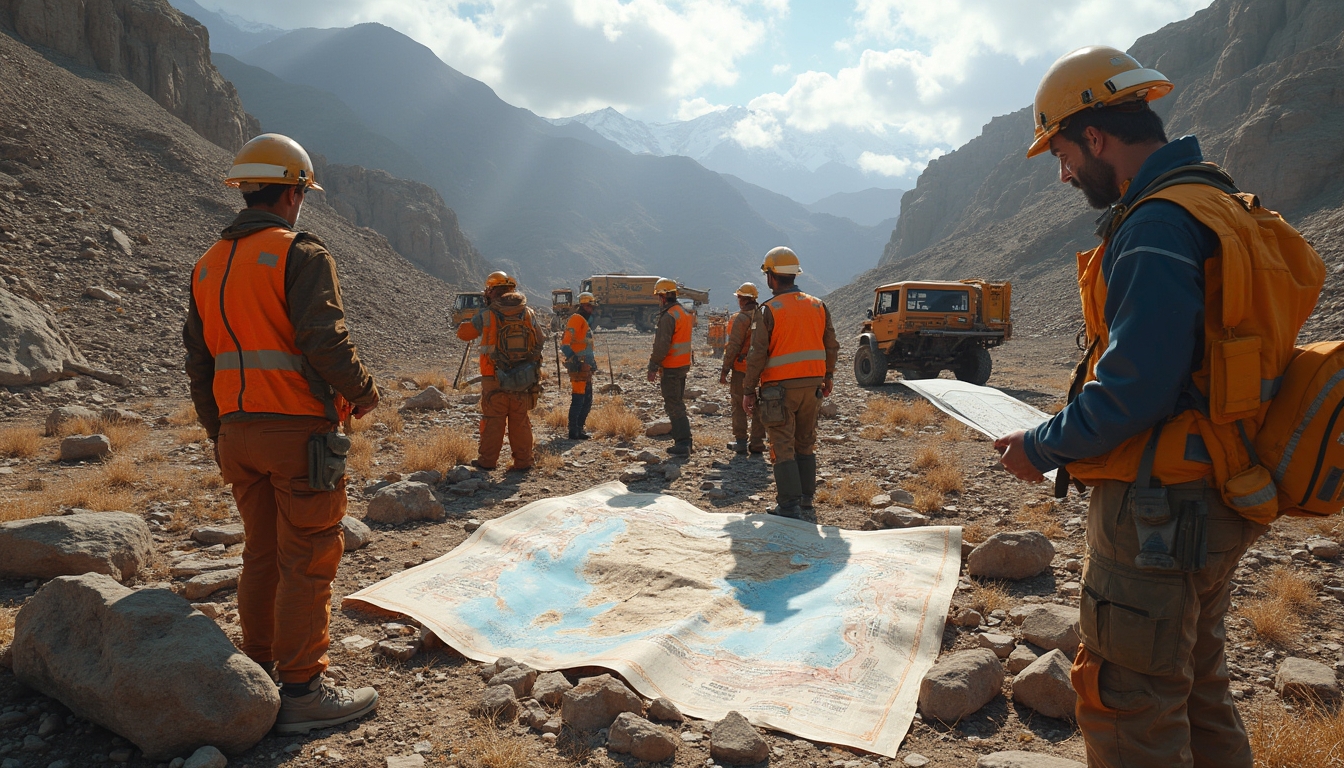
[[1316, 404], [1262, 496], [683, 348], [797, 357], [259, 360], [487, 349]]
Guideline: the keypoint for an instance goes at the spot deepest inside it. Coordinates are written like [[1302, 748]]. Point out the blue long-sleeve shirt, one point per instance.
[[1154, 272]]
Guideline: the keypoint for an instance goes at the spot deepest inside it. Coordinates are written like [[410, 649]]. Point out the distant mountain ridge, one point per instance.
[[228, 33]]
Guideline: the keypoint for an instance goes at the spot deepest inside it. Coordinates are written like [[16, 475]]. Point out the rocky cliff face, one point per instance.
[[412, 216], [1258, 81], [148, 42]]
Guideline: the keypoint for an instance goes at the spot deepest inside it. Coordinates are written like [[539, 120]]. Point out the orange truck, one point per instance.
[[921, 328], [718, 333]]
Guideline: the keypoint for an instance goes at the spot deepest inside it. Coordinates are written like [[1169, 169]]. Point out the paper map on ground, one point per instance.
[[984, 409], [820, 632]]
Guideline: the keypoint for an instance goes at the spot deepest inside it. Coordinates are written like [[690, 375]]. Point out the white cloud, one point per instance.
[[891, 165], [780, 69], [758, 130], [689, 109]]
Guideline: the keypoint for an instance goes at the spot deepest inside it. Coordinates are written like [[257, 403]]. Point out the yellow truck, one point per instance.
[[466, 306], [718, 333], [622, 300], [921, 328]]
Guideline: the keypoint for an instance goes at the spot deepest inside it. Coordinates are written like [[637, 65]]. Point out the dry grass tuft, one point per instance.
[[360, 457], [1287, 586], [434, 379], [125, 436], [927, 500], [945, 479], [873, 432], [121, 472], [887, 412], [955, 432], [556, 418], [611, 417], [184, 414], [20, 442], [441, 449], [1309, 737], [1273, 621], [391, 417], [849, 490], [928, 458], [492, 747], [94, 494], [974, 532], [548, 461], [188, 435], [990, 596]]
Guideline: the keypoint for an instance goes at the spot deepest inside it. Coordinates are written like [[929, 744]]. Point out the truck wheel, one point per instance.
[[870, 366], [974, 366], [644, 321]]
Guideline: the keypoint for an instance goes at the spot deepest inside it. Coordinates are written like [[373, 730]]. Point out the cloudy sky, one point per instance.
[[932, 71]]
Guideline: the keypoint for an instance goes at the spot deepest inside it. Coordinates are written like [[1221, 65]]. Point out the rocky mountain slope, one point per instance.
[[103, 188], [150, 44], [872, 207], [553, 204], [1256, 80]]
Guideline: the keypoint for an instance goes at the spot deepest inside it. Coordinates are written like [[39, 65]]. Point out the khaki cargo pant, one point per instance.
[[798, 434], [504, 411], [1152, 678], [737, 390], [293, 542], [672, 382]]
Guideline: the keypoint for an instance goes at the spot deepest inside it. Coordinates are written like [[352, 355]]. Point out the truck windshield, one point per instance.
[[928, 300], [587, 286], [886, 302], [561, 298], [468, 302]]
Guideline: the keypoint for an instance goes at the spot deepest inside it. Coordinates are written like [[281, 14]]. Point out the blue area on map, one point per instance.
[[801, 615]]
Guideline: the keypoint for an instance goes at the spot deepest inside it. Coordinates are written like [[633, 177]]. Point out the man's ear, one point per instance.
[[1094, 140]]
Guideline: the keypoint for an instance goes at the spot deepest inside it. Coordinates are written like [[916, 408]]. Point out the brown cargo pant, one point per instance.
[[798, 433], [737, 389], [1151, 678], [293, 542], [673, 386], [501, 411]]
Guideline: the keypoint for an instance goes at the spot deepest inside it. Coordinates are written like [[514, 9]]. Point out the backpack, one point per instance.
[[1302, 441], [517, 354]]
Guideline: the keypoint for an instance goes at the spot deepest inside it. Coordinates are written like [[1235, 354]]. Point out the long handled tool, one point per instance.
[[613, 388], [557, 358], [457, 380]]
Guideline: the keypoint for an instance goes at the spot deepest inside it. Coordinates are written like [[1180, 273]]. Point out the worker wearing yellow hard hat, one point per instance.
[[790, 368], [510, 364], [577, 346], [671, 360], [1150, 433], [734, 372], [273, 372]]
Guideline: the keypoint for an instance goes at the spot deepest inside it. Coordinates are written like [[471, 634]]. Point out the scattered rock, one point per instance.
[[901, 497], [1011, 555], [227, 535], [498, 701], [735, 741], [402, 502], [142, 664], [431, 399], [113, 543], [405, 761], [209, 583], [398, 650], [470, 399], [880, 500], [426, 476], [457, 474], [85, 448], [1324, 549], [596, 701], [357, 534], [829, 410], [33, 349], [662, 708], [1053, 627], [1017, 759], [102, 294], [121, 416], [670, 472], [654, 429], [195, 566], [1021, 658], [1045, 686], [120, 240], [66, 414], [520, 678], [960, 684], [532, 714], [633, 735], [967, 617], [488, 671], [550, 688], [634, 473], [1001, 645], [694, 393], [206, 757], [899, 517], [133, 282], [1306, 680]]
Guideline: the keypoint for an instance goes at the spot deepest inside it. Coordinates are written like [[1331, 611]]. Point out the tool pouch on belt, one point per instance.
[[520, 378], [326, 460], [580, 375], [770, 405], [1169, 540]]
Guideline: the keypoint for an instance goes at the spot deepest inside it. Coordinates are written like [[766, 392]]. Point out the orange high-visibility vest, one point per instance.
[[578, 337], [796, 347], [1249, 333], [740, 362], [679, 354], [239, 288]]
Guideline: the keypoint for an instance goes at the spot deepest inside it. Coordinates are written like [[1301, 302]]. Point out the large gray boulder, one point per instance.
[[65, 414], [633, 735], [960, 684], [1045, 686], [33, 348], [1011, 555], [112, 543], [143, 664], [402, 502], [734, 741], [1053, 626], [1306, 680], [595, 702]]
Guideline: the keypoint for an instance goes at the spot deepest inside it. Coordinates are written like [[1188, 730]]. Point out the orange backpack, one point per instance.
[[1302, 440]]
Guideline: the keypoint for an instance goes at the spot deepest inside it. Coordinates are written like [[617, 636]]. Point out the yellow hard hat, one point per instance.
[[782, 261], [496, 279], [1095, 76], [272, 159], [665, 286], [587, 298], [748, 289]]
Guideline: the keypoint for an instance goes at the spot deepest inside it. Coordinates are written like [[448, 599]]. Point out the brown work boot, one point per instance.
[[323, 706]]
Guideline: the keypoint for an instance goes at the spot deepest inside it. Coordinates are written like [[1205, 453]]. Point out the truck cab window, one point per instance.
[[886, 302], [926, 300]]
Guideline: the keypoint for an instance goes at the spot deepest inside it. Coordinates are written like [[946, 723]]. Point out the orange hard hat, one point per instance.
[[497, 279], [271, 159], [665, 285], [1095, 76]]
